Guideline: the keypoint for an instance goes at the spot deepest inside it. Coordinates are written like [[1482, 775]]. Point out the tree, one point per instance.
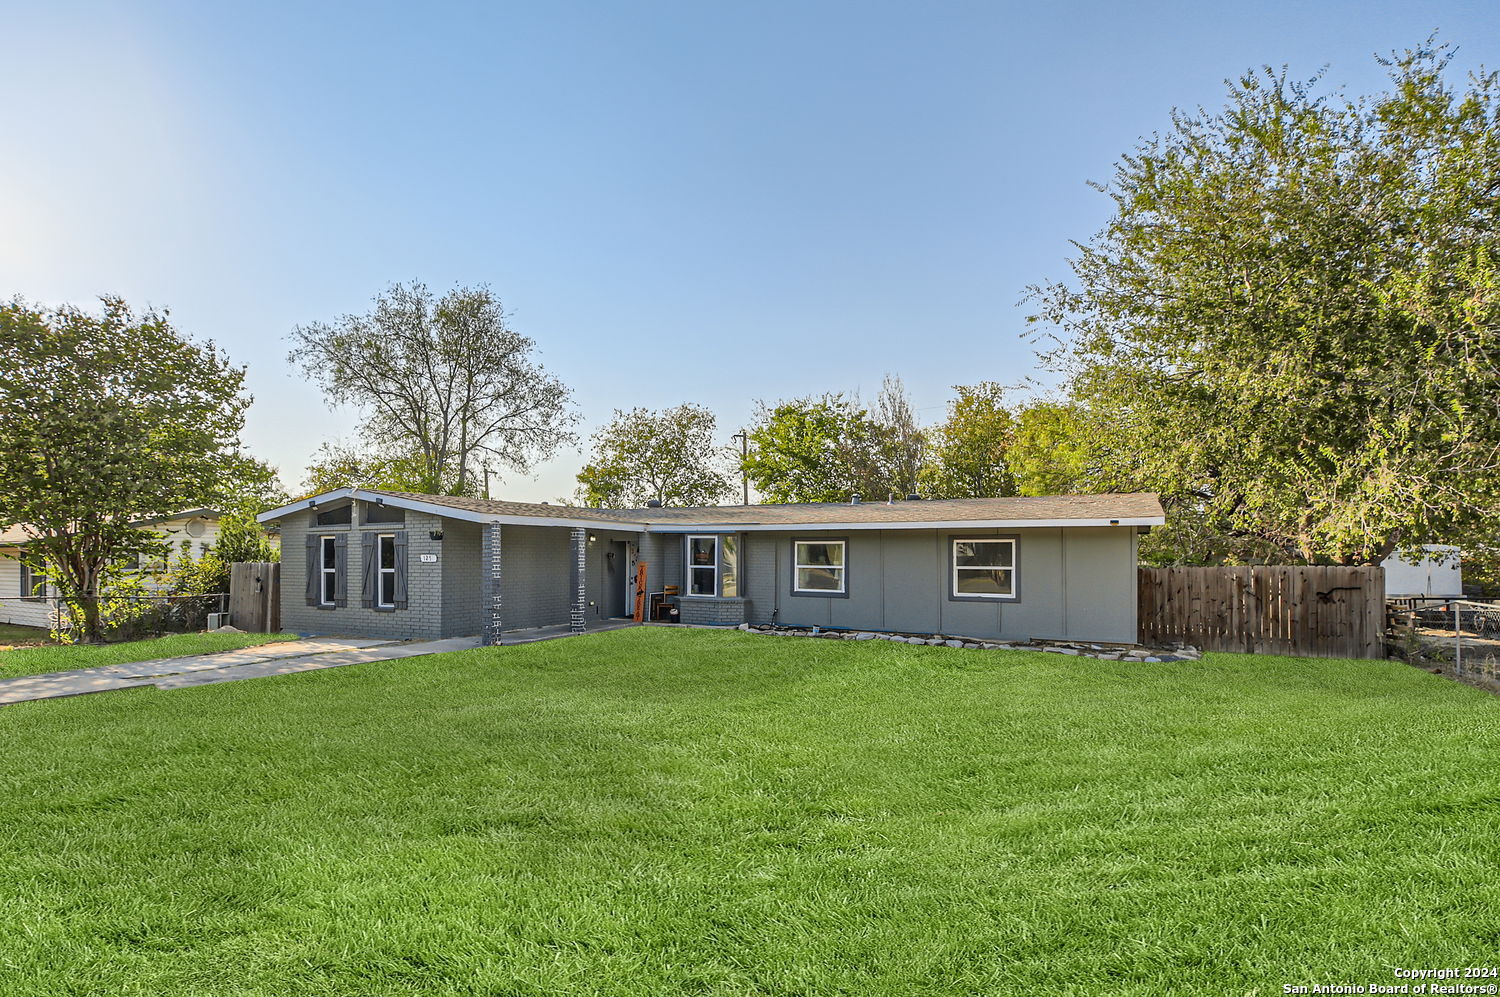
[[669, 456], [812, 450], [109, 418], [1052, 452], [900, 443], [1292, 320], [253, 489], [971, 449], [443, 383], [342, 466]]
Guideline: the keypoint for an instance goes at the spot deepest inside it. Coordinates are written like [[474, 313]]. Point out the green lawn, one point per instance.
[[65, 657], [656, 811], [11, 633]]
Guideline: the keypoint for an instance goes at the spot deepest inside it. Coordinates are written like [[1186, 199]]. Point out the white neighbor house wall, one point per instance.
[[201, 532], [1438, 573], [14, 609]]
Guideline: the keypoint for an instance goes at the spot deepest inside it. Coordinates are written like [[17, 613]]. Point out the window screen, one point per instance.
[[984, 568]]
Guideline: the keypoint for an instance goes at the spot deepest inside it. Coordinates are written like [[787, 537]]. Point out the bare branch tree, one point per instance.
[[446, 387]]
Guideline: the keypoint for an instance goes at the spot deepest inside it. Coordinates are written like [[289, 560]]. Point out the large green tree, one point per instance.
[[1053, 449], [110, 417], [820, 449], [1292, 319], [971, 449], [443, 385], [669, 456]]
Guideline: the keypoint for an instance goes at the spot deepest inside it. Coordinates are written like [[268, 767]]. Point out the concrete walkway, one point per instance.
[[224, 666], [560, 630]]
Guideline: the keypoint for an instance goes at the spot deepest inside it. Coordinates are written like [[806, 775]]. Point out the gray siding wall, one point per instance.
[[536, 571], [663, 554], [597, 572], [463, 581], [422, 619], [1075, 583]]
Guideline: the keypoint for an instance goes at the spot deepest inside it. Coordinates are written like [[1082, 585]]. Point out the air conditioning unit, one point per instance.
[[217, 620]]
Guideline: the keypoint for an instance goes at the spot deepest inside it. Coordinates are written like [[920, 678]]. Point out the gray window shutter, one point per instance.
[[341, 572], [314, 571], [400, 569], [367, 553]]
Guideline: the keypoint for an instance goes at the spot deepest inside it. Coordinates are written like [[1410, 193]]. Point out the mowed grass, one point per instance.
[[14, 633], [65, 657], [655, 811]]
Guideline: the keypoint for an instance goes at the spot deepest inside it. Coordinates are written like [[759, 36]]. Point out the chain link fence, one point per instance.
[[135, 616], [1476, 639], [1460, 635]]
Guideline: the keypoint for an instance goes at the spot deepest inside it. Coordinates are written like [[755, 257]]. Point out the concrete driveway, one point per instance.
[[225, 666]]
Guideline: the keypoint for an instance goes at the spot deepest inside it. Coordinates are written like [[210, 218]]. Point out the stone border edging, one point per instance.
[[1074, 648]]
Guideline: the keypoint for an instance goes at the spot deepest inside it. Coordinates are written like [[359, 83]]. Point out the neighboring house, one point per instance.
[[1437, 573], [395, 564], [26, 597]]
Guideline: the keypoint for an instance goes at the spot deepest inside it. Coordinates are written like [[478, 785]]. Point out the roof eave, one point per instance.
[[950, 524], [446, 511]]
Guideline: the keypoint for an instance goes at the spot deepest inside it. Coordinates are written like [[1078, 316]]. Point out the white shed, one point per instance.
[[1438, 573]]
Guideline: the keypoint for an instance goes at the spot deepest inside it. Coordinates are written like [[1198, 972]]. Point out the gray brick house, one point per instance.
[[395, 564]]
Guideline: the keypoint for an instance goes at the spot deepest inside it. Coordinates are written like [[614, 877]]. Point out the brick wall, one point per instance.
[[536, 565], [463, 579], [759, 554], [712, 612], [422, 617]]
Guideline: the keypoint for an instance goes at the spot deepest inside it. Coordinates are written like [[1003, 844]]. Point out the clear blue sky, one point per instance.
[[705, 202]]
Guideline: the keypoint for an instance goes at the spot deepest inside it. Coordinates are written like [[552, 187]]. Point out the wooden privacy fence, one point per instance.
[[1314, 611], [255, 596]]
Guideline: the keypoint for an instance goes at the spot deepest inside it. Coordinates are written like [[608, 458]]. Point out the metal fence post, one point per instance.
[[1458, 640]]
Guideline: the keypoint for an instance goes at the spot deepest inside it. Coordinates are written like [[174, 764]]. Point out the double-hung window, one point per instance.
[[329, 567], [713, 565], [818, 567], [703, 565], [33, 583], [984, 568], [385, 591]]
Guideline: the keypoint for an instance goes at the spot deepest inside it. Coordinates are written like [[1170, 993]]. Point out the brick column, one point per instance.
[[580, 580], [490, 582]]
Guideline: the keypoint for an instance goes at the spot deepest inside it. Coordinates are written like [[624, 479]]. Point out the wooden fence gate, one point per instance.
[[255, 596], [1313, 611]]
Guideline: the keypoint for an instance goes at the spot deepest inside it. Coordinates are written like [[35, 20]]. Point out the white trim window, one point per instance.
[[703, 564], [984, 568], [328, 560], [33, 583], [385, 577], [819, 566]]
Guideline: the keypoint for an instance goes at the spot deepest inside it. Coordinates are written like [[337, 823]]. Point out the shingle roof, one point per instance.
[[1043, 508], [499, 507]]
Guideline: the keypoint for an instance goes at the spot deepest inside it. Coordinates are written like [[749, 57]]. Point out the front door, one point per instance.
[[616, 572]]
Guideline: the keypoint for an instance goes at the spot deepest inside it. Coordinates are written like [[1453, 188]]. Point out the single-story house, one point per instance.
[[401, 565], [26, 596]]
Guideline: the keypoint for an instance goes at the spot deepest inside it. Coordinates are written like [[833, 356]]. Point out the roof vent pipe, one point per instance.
[[653, 503], [854, 499]]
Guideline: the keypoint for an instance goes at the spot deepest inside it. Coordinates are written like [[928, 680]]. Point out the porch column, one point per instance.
[[580, 580], [489, 589]]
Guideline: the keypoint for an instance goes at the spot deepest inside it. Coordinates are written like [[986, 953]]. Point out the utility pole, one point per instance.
[[486, 482], [744, 453]]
